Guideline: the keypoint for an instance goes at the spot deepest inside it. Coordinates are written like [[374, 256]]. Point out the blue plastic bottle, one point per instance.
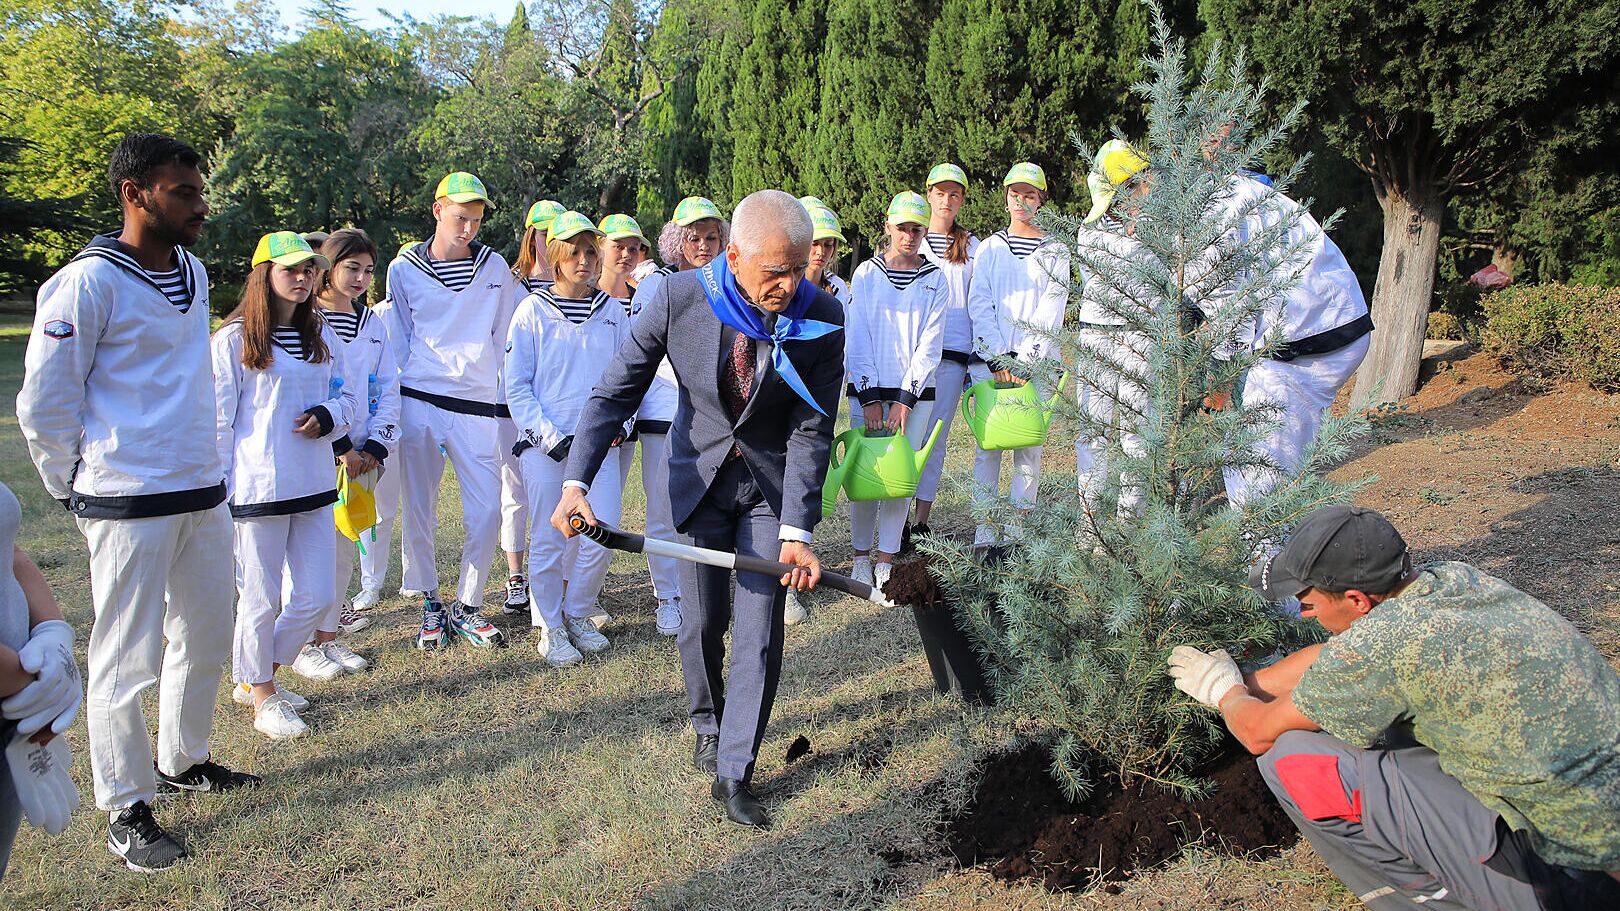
[[372, 393]]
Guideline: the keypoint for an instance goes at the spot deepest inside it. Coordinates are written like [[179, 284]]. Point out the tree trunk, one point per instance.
[[607, 202], [1401, 297]]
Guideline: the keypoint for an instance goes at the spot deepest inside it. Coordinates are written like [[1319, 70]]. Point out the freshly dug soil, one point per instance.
[[912, 584], [1020, 822]]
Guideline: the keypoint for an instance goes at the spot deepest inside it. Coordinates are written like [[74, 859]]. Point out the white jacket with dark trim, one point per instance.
[[449, 343], [958, 277], [373, 373], [117, 399], [894, 336], [1010, 294], [657, 409], [274, 471], [552, 364]]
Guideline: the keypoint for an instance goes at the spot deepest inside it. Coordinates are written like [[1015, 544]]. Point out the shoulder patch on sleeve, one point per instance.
[[59, 329]]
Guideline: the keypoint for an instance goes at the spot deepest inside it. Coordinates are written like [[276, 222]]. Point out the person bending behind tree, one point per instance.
[[1454, 744]]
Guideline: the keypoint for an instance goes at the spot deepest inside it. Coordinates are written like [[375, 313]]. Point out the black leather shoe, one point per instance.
[[742, 807], [706, 753]]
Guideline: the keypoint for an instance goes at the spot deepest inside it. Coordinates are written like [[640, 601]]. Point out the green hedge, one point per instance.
[[1556, 331]]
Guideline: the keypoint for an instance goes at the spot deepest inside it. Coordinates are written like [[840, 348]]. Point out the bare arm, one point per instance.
[[1262, 710]]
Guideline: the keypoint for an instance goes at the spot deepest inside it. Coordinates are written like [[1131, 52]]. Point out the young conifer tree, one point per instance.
[[1078, 616]]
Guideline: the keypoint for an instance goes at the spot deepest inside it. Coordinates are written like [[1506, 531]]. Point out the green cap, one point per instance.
[[286, 248], [696, 208], [812, 202], [1026, 172], [944, 172], [618, 227], [908, 207], [826, 224], [1111, 168], [459, 186], [542, 212], [569, 224]]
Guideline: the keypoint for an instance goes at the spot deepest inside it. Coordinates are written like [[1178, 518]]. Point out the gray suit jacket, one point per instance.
[[784, 441]]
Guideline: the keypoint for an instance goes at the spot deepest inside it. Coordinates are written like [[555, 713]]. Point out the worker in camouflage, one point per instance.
[[1454, 744]]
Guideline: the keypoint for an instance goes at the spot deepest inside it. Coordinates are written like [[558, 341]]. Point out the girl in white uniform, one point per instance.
[[561, 340], [532, 272], [950, 247], [281, 400], [894, 332], [1020, 284], [697, 234], [824, 252], [372, 438]]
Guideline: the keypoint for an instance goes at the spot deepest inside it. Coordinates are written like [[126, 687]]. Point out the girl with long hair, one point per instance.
[[281, 401]]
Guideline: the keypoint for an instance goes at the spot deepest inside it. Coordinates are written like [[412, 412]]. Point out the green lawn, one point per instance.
[[477, 779]]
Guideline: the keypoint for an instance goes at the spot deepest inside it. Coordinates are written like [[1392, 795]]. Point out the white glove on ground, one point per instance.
[[1205, 676], [54, 698], [44, 788]]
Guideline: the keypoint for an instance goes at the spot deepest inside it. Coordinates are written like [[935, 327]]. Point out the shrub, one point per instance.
[[1556, 331], [1443, 325]]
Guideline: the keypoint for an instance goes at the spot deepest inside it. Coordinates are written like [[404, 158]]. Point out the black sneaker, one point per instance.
[[136, 838], [207, 775], [517, 594]]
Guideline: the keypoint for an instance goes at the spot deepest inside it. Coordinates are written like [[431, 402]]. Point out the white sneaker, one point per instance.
[[880, 574], [669, 616], [556, 649], [312, 664], [276, 719], [795, 610], [349, 621], [367, 599], [411, 594], [862, 571], [344, 657], [585, 634], [242, 694]]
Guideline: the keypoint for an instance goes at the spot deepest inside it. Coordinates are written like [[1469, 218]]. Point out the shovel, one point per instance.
[[629, 542]]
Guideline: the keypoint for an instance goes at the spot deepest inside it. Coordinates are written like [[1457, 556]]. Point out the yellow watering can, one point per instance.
[[1008, 416], [874, 466], [356, 508]]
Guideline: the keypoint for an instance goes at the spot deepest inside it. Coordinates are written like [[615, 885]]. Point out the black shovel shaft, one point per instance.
[[630, 542]]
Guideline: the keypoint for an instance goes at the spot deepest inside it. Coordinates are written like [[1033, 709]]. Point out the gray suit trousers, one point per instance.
[[732, 516]]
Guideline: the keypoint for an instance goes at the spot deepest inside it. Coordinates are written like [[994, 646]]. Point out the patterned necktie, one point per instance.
[[741, 375]]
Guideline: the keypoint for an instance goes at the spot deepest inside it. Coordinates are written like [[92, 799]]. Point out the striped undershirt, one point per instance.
[[173, 286], [901, 279], [624, 302], [346, 325], [939, 243], [532, 284], [287, 339], [576, 309], [1023, 246], [455, 273]]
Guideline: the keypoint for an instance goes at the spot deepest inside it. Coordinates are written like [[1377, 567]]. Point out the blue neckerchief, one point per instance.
[[731, 308], [1256, 176]]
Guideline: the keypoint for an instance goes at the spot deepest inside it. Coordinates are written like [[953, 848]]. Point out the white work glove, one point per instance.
[[54, 697], [1205, 676], [44, 789]]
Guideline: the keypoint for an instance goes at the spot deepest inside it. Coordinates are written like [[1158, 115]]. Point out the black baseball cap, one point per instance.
[[1336, 549]]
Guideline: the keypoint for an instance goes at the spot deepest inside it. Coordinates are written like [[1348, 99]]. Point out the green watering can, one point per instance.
[[1009, 416], [876, 466]]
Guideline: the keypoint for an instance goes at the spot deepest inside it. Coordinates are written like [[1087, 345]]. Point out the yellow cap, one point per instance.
[[947, 171], [826, 224], [908, 207], [618, 227], [286, 248], [459, 186], [695, 208], [1114, 165], [542, 212], [1026, 172], [569, 224]]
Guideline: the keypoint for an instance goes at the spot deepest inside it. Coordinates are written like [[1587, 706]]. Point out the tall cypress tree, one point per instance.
[[775, 98]]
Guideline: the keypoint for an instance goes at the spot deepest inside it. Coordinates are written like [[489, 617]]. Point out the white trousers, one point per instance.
[[552, 558], [949, 383], [1303, 388], [152, 580], [1026, 479], [1100, 405], [514, 501], [374, 562], [888, 515], [470, 442], [301, 546], [665, 571]]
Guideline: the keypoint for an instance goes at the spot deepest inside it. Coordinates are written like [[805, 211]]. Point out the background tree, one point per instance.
[[21, 218], [1434, 102]]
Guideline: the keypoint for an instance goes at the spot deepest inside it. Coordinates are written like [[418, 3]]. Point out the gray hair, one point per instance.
[[673, 235], [763, 213]]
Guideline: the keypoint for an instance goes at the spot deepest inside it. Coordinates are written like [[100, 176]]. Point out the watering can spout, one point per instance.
[[928, 447]]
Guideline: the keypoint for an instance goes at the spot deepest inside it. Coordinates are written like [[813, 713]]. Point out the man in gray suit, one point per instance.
[[759, 355]]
